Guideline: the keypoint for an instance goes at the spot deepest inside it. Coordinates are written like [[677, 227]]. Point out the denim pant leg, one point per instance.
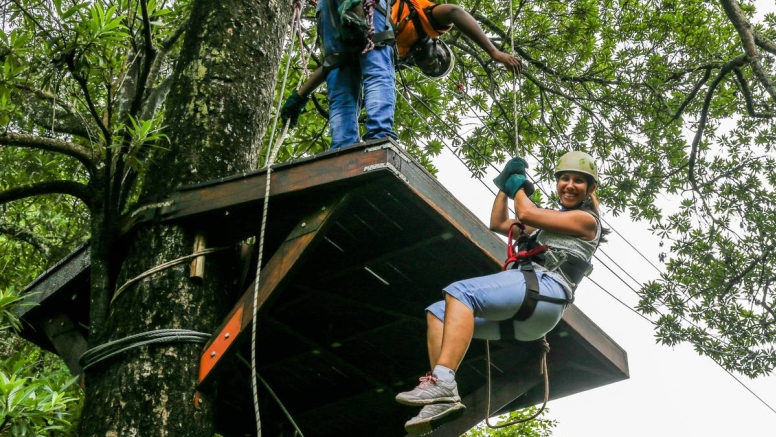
[[344, 84], [379, 93], [374, 73], [379, 86]]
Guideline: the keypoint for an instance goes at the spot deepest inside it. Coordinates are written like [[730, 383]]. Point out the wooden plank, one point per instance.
[[224, 194], [448, 209], [52, 280], [67, 340], [274, 277], [595, 340]]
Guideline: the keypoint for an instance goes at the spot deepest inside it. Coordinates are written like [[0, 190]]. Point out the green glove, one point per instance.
[[517, 181], [514, 166], [292, 108]]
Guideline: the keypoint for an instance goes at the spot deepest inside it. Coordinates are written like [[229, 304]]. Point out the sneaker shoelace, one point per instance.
[[427, 380]]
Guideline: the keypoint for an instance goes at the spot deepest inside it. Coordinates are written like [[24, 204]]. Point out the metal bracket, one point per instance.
[[390, 167]]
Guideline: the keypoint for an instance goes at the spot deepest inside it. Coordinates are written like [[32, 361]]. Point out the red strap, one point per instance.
[[513, 256]]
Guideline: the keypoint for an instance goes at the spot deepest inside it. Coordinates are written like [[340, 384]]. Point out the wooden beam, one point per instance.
[[221, 195], [595, 341], [67, 340], [274, 277], [54, 279]]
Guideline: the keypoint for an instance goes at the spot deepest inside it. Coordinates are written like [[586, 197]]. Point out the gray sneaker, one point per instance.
[[431, 390], [433, 416]]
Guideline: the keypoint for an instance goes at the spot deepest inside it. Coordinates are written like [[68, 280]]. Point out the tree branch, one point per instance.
[[727, 68], [75, 189], [748, 97], [744, 29], [764, 43], [690, 97], [18, 233], [82, 154]]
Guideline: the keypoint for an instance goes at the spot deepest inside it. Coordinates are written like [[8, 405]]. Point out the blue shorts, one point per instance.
[[497, 297]]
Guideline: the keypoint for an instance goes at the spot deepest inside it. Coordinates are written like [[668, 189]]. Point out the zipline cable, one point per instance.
[[515, 84], [712, 359], [115, 347], [274, 396]]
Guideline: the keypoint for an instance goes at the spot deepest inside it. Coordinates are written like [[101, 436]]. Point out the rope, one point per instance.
[[113, 348], [275, 397], [280, 98], [254, 386], [369, 12], [164, 266], [296, 23], [545, 351], [515, 87]]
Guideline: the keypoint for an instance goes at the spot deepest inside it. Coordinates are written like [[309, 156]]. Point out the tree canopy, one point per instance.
[[675, 98], [676, 101]]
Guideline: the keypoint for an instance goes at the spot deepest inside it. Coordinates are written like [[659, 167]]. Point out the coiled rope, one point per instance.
[[545, 351], [113, 348]]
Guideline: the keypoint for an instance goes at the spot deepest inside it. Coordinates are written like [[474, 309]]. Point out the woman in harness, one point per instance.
[[504, 304]]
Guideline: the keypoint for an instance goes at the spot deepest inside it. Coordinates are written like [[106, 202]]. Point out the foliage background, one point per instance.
[[674, 97]]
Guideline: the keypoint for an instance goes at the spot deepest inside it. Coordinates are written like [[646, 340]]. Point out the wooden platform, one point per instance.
[[359, 242]]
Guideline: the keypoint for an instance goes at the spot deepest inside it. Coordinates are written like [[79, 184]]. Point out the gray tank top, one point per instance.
[[560, 247]]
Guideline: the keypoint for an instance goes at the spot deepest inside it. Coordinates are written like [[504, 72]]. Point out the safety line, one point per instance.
[[274, 396], [254, 385]]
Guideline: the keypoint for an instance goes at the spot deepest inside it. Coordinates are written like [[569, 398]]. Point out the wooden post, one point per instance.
[[197, 266]]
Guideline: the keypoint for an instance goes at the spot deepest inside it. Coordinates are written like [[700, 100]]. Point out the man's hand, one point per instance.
[[292, 108], [513, 64]]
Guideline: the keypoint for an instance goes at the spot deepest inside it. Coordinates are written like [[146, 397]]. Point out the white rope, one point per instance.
[[515, 85], [271, 160], [272, 152], [285, 79]]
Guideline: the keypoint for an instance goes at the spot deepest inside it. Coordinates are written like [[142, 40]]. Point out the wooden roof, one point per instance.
[[359, 241]]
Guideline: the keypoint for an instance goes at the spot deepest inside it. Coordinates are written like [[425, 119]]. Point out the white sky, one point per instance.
[[671, 391]]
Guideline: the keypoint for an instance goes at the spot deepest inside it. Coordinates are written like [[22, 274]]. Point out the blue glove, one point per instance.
[[292, 108], [517, 181], [514, 166]]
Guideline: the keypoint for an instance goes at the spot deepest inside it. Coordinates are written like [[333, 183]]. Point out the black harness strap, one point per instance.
[[523, 259]]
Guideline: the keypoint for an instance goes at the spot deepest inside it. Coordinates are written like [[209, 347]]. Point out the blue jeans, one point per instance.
[[371, 74]]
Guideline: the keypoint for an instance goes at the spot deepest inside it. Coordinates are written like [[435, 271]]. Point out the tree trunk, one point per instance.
[[217, 110]]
